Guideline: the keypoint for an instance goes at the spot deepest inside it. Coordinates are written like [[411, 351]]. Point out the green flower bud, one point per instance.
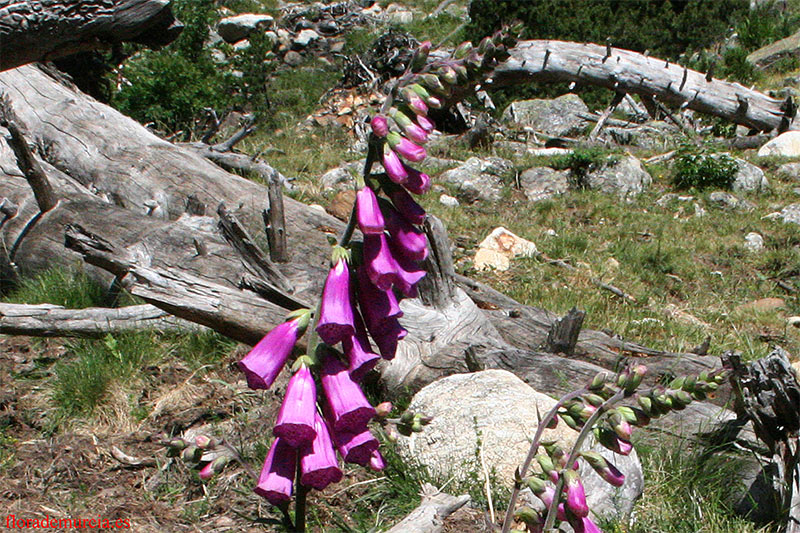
[[462, 50], [420, 57], [593, 399], [527, 515], [537, 485], [433, 83], [568, 420], [598, 381], [192, 454]]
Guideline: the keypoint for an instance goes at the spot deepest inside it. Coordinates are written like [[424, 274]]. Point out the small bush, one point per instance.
[[70, 288], [700, 169], [582, 161]]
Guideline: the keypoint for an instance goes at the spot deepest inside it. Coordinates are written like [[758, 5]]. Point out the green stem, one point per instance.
[[587, 427], [300, 503], [543, 423]]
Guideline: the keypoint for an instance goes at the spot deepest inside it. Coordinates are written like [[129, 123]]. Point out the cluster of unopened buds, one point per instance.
[[598, 409], [208, 455]]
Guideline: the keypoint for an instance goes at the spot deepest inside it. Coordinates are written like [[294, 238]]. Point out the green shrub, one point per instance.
[[582, 161], [765, 24], [698, 168], [667, 28], [70, 288], [170, 87]]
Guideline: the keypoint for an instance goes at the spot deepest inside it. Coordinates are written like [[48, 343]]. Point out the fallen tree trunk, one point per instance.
[[47, 320], [43, 30], [629, 72], [430, 515]]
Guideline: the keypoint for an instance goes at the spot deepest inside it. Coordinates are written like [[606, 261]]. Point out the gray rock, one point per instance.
[[337, 178], [558, 117], [749, 177], [625, 178], [305, 37], [790, 214], [292, 58], [478, 179], [448, 201], [754, 242], [541, 183], [242, 45], [789, 170], [727, 200], [492, 414], [234, 29]]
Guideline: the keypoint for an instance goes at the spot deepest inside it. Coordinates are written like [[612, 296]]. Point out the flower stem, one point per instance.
[[587, 427], [543, 423], [300, 503]]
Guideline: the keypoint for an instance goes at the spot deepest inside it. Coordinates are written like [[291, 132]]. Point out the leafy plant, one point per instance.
[[700, 169], [582, 161]]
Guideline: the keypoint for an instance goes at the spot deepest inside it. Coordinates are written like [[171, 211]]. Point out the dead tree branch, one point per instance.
[[47, 320], [634, 73]]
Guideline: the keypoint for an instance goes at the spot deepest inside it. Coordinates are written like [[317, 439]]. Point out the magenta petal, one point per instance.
[[388, 336], [393, 166], [612, 475], [264, 362], [368, 213], [349, 408], [407, 275], [295, 422], [407, 240], [359, 352], [425, 123], [376, 461], [406, 206], [576, 495], [379, 126], [277, 477], [381, 266], [318, 465], [355, 447], [415, 133], [417, 182], [336, 310], [409, 150], [376, 305]]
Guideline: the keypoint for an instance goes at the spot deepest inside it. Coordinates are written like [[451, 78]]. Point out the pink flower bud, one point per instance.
[[368, 213], [576, 495], [380, 127], [393, 166], [404, 147]]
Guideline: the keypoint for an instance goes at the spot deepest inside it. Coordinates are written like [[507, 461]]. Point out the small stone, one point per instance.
[[305, 37], [336, 46], [727, 200], [789, 214], [241, 46], [292, 58], [336, 178], [486, 259], [559, 117], [789, 171], [625, 178], [234, 29], [550, 232], [496, 250], [478, 179], [448, 201], [611, 264], [541, 183], [763, 305], [749, 177], [754, 242]]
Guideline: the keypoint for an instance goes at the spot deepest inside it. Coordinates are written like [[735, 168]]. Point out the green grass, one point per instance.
[[686, 492], [70, 288]]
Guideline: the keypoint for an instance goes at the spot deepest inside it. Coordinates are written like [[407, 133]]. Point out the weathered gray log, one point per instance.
[[234, 161], [563, 334], [37, 179], [633, 73], [47, 320], [430, 515], [767, 392], [618, 97], [240, 239], [275, 222], [43, 30]]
